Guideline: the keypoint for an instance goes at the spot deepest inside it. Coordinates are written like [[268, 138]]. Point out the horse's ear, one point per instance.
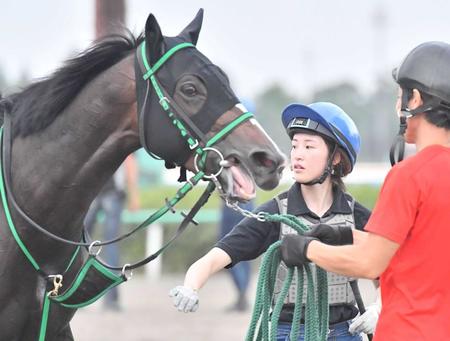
[[153, 38], [191, 32]]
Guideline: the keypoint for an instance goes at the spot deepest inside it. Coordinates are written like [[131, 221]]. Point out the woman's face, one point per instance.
[[309, 156]]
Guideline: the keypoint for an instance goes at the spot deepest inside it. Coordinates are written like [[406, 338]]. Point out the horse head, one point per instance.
[[193, 99]]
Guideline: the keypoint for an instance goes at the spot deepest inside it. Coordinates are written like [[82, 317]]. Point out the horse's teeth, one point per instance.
[[225, 163]]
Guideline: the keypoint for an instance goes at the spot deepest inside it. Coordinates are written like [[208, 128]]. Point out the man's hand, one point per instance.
[[331, 235], [184, 298], [293, 249], [367, 322]]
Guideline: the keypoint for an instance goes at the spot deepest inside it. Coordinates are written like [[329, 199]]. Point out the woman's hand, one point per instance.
[[184, 298]]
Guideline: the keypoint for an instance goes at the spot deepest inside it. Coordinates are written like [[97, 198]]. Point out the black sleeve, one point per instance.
[[361, 215], [251, 237]]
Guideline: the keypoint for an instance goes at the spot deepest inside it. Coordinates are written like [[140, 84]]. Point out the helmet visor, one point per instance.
[[298, 124]]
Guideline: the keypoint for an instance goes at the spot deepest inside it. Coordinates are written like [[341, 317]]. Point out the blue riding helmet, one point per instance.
[[327, 119]]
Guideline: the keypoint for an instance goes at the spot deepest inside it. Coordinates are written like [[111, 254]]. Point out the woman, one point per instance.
[[325, 144]]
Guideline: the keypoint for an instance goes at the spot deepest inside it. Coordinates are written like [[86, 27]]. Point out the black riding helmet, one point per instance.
[[426, 68]]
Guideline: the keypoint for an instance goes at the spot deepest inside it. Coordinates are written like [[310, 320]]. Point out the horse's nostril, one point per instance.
[[280, 169], [262, 159]]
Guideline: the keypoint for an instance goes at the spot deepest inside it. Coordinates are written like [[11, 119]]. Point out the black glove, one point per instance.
[[293, 249], [332, 235]]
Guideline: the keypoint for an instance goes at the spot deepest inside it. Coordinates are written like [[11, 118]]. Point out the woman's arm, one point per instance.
[[185, 297], [199, 272]]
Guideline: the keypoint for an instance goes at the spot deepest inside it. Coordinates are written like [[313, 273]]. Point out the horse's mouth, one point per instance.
[[240, 184]]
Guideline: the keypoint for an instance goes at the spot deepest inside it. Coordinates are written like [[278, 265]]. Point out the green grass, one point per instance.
[[154, 197], [197, 240]]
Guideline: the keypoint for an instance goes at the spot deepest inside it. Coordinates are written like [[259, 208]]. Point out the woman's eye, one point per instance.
[[189, 90]]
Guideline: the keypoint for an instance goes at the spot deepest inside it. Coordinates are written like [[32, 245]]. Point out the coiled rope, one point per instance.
[[265, 316]]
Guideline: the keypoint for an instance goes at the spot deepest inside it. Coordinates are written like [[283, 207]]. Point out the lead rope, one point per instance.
[[264, 322]]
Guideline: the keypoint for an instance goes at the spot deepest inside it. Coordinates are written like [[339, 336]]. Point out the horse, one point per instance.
[[70, 131]]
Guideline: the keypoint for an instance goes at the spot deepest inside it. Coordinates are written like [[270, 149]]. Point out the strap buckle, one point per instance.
[[57, 284], [195, 145]]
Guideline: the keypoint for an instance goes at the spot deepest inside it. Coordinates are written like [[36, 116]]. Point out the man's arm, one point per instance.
[[367, 257]]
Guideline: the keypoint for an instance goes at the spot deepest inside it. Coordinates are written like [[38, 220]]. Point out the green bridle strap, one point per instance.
[[9, 219], [222, 133], [162, 60], [172, 202], [73, 258], [228, 128]]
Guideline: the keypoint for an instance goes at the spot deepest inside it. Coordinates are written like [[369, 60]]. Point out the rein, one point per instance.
[[77, 295]]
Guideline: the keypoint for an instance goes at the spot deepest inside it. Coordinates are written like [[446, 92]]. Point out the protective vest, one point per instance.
[[339, 290]]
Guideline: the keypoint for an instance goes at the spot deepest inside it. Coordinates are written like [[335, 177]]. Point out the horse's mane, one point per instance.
[[36, 107]]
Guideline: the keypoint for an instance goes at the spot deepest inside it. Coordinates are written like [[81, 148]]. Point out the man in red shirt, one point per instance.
[[407, 238]]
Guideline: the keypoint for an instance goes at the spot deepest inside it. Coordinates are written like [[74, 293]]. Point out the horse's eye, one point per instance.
[[189, 89]]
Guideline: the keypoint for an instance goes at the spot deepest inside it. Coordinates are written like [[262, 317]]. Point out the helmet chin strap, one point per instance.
[[327, 171], [398, 143]]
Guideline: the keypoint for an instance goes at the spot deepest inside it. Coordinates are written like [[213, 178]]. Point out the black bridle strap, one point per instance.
[[184, 224], [399, 142]]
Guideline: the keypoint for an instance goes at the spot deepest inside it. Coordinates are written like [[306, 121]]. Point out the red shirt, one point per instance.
[[413, 210]]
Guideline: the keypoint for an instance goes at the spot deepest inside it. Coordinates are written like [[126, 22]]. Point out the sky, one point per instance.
[[301, 45]]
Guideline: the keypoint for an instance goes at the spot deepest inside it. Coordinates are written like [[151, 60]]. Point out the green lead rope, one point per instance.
[[264, 321]]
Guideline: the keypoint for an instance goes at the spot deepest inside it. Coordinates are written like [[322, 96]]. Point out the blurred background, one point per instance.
[[275, 53]]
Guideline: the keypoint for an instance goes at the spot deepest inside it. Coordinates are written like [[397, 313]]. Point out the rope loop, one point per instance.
[[266, 311]]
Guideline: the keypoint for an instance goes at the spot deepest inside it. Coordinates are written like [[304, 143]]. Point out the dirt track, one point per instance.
[[148, 314]]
